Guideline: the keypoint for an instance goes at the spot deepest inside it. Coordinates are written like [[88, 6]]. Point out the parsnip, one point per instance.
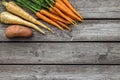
[[9, 18]]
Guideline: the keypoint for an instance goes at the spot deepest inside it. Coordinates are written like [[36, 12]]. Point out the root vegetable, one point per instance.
[[41, 16], [67, 11], [14, 31], [63, 25], [67, 3], [53, 16]]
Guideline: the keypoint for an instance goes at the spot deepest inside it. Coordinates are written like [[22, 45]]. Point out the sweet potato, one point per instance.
[[14, 31]]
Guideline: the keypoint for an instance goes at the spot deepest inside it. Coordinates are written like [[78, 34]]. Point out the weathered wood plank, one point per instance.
[[58, 72], [87, 31], [60, 53], [98, 8], [95, 8]]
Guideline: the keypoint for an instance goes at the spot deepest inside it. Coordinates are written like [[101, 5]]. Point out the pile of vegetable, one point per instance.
[[59, 13]]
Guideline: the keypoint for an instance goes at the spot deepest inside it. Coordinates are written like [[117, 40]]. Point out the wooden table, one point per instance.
[[90, 52]]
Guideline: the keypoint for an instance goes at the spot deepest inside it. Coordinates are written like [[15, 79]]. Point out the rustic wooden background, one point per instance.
[[89, 52]]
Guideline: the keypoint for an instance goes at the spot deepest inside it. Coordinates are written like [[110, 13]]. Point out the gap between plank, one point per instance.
[[61, 64], [98, 19], [59, 41], [101, 18]]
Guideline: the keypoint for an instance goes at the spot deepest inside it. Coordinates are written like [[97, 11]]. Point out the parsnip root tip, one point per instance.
[[4, 3]]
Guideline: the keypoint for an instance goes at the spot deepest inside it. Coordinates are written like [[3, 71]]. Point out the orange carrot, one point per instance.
[[68, 12], [63, 25], [65, 6], [53, 11], [61, 2], [67, 3], [48, 14], [41, 16], [68, 23], [63, 15]]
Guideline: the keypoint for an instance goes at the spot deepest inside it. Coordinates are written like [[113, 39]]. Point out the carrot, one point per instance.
[[65, 6], [63, 25], [9, 18], [67, 11], [63, 15], [53, 11], [46, 13], [60, 13], [60, 2], [48, 20], [15, 9], [71, 7], [50, 15]]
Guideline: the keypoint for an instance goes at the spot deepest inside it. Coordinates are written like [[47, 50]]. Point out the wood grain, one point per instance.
[[60, 53], [98, 8], [97, 26], [59, 72]]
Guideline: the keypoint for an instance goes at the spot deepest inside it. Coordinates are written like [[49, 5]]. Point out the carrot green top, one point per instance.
[[35, 5]]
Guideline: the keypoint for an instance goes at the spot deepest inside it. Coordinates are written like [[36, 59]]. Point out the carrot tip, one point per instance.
[[75, 25], [70, 29]]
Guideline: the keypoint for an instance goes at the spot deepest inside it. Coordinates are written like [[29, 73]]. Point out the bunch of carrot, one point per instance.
[[59, 13]]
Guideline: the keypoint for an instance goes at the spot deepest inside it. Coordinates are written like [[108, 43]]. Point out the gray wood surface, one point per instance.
[[67, 51], [59, 72], [60, 53], [98, 8]]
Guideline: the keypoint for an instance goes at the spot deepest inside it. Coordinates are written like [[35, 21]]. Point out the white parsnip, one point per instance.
[[8, 18]]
